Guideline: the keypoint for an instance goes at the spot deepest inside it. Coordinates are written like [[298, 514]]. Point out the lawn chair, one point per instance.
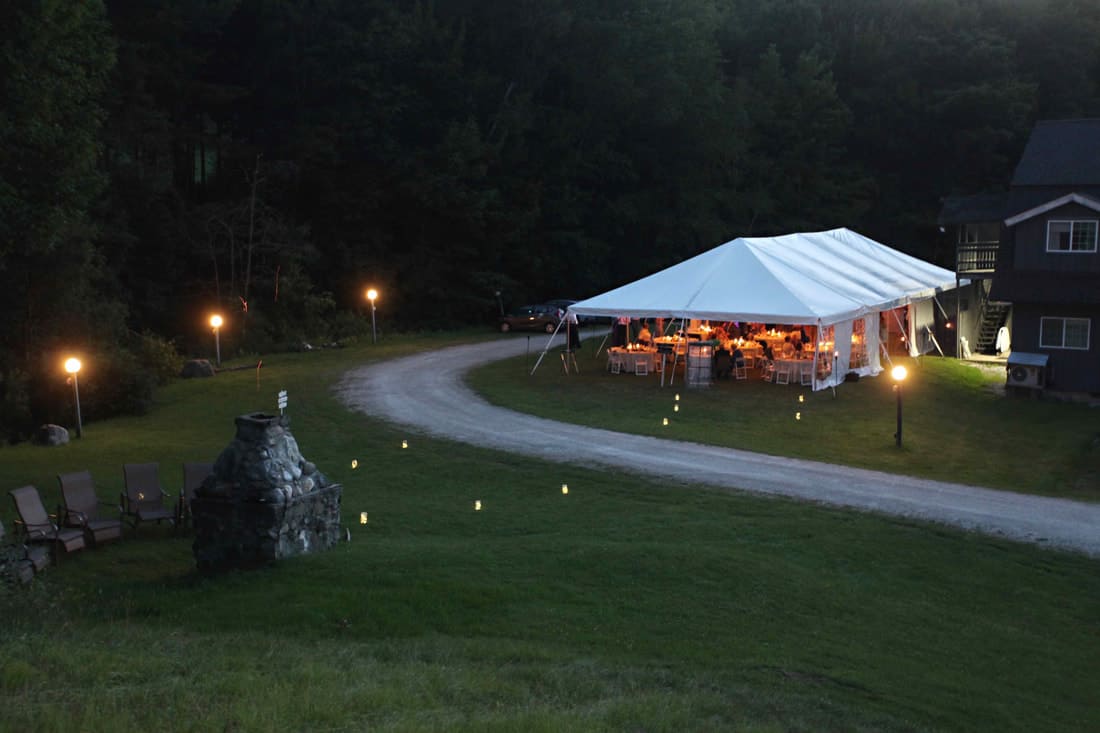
[[143, 500], [193, 476], [82, 508], [37, 525], [27, 560]]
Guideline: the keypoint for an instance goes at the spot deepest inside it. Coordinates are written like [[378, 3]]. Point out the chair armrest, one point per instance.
[[37, 533], [81, 517]]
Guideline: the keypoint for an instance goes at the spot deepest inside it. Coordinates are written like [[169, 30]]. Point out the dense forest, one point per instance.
[[270, 158]]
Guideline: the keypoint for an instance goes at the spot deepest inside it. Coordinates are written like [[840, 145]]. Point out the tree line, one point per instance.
[[270, 158]]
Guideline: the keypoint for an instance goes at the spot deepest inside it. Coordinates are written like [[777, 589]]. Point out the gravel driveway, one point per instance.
[[426, 393]]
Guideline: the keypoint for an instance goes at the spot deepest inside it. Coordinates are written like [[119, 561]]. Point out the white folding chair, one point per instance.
[[739, 370], [783, 375], [615, 363], [767, 370], [641, 367], [807, 376]]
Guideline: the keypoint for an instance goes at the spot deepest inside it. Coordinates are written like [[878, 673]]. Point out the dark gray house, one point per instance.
[[1034, 258], [1048, 264]]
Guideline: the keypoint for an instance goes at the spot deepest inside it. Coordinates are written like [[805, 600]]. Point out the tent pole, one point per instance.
[[901, 328], [606, 335], [676, 354], [817, 354], [547, 348], [942, 311], [958, 318]]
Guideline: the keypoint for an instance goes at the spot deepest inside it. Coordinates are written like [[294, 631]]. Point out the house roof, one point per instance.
[[973, 209], [1060, 153], [812, 277], [1069, 198], [1030, 286]]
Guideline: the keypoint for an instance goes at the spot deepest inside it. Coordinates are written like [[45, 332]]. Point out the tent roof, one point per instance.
[[796, 278]]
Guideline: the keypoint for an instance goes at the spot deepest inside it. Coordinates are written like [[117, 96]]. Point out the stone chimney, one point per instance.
[[264, 501]]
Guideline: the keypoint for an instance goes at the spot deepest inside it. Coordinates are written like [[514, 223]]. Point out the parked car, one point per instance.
[[542, 317], [561, 303], [564, 305]]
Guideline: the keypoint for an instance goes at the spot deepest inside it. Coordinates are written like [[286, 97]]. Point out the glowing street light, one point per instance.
[[72, 366], [216, 324], [372, 295], [899, 373]]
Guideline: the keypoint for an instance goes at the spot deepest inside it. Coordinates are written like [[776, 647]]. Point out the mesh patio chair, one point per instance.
[[143, 500], [193, 476], [37, 525], [82, 508], [29, 560]]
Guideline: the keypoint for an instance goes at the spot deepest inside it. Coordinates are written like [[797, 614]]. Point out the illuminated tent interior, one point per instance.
[[836, 278]]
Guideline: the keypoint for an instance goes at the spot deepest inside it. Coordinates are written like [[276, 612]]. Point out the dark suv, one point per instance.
[[531, 317]]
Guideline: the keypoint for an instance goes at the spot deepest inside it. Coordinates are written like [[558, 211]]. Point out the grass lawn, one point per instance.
[[956, 425], [624, 606]]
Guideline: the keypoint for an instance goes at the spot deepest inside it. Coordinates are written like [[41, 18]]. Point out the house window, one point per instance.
[[1064, 235], [1064, 333]]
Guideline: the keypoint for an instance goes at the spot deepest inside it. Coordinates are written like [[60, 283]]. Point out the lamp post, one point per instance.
[[72, 366], [216, 324], [898, 373], [372, 295]]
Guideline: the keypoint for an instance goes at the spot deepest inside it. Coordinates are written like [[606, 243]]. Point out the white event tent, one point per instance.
[[830, 278]]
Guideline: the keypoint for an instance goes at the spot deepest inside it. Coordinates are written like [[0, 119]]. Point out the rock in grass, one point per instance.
[[51, 435], [197, 368]]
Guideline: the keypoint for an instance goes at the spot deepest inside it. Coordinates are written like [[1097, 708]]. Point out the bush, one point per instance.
[[159, 357], [16, 421], [116, 383]]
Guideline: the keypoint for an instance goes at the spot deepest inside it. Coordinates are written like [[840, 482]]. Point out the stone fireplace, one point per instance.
[[264, 501]]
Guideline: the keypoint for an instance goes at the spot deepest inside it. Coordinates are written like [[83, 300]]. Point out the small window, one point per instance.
[[1064, 333], [1065, 235]]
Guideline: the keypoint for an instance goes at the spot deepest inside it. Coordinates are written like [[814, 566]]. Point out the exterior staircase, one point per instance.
[[994, 316]]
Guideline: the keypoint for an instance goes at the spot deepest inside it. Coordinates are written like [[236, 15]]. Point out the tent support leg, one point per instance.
[[603, 343], [547, 348]]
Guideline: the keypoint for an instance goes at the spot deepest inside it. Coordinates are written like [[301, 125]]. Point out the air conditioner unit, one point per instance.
[[1024, 376], [1027, 371]]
